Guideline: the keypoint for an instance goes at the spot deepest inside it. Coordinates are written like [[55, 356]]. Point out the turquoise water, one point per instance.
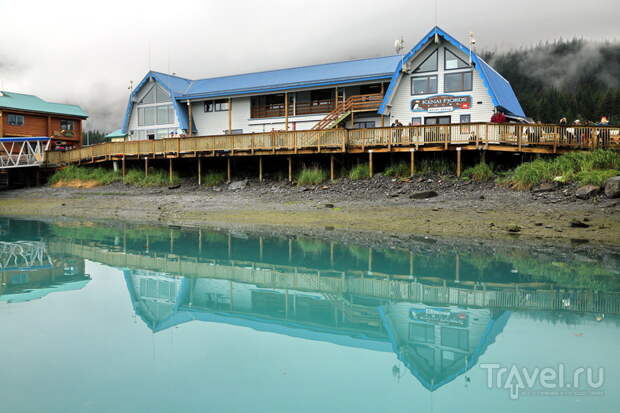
[[159, 319]]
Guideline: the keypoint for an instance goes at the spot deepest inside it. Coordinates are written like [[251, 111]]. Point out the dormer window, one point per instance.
[[430, 64]]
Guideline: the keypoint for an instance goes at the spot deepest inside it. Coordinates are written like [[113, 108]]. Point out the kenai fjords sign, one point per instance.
[[441, 103]]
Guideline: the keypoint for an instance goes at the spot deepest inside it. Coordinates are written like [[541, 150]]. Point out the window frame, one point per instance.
[[218, 104], [427, 82], [445, 61], [462, 74], [416, 121], [19, 120], [70, 123], [436, 54], [367, 124]]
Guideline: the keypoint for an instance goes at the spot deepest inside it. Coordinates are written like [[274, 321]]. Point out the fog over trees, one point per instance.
[[576, 79]]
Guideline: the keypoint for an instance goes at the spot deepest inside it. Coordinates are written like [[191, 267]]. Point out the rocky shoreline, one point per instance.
[[397, 210]]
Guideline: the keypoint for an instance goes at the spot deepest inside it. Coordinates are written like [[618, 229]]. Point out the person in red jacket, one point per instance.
[[498, 117]]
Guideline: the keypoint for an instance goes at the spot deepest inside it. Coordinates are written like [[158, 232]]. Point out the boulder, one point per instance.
[[546, 187], [587, 191], [575, 223], [237, 185], [423, 195], [612, 187]]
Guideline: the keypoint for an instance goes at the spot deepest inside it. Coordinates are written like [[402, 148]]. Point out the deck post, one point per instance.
[[370, 169], [458, 162], [228, 171], [286, 111], [189, 114], [146, 166], [230, 116], [290, 169], [123, 167], [199, 171], [412, 163], [170, 170], [260, 169], [331, 167]]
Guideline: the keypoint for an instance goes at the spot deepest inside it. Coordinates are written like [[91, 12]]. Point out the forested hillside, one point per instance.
[[576, 79]]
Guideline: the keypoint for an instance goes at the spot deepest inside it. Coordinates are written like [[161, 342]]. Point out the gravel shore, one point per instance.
[[378, 206]]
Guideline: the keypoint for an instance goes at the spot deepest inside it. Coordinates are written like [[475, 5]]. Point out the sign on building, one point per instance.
[[441, 103]]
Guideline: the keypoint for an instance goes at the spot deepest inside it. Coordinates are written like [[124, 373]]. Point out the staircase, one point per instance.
[[356, 103]]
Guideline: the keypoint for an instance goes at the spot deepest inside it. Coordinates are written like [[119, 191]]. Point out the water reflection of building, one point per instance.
[[437, 344], [28, 272]]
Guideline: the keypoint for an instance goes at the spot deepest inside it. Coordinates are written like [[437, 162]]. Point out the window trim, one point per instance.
[[462, 74], [425, 93], [445, 61], [436, 53]]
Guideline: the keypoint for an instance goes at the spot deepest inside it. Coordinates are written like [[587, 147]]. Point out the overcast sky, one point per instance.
[[86, 52]]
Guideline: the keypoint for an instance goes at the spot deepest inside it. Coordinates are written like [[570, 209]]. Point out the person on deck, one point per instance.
[[498, 117]]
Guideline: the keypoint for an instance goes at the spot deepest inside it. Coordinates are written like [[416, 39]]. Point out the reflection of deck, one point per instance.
[[399, 288], [474, 136]]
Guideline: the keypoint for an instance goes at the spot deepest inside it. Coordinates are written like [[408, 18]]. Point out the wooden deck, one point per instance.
[[473, 136]]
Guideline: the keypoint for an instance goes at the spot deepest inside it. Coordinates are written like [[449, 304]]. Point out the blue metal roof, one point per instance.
[[499, 88], [293, 78]]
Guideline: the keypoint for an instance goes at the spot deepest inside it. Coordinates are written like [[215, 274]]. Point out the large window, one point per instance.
[[455, 338], [429, 64], [421, 333], [66, 124], [15, 120], [452, 61], [156, 95], [457, 82], [364, 125], [424, 85], [155, 115]]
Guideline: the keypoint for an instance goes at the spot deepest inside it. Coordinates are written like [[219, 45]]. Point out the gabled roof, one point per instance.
[[499, 88], [31, 103], [174, 85]]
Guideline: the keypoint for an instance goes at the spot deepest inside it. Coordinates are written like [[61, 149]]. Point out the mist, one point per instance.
[[87, 53]]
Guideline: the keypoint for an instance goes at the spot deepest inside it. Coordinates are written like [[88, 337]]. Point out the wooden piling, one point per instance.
[[199, 171], [146, 167], [370, 168], [458, 162], [170, 170], [412, 163], [290, 169], [123, 167], [331, 168], [228, 169], [260, 169]]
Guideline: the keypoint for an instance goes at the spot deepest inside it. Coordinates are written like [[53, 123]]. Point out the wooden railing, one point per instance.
[[484, 135]]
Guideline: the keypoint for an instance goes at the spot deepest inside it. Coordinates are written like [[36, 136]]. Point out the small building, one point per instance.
[[116, 136], [439, 81], [29, 116]]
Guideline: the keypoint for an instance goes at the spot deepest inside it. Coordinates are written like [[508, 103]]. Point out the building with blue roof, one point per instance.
[[439, 81]]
